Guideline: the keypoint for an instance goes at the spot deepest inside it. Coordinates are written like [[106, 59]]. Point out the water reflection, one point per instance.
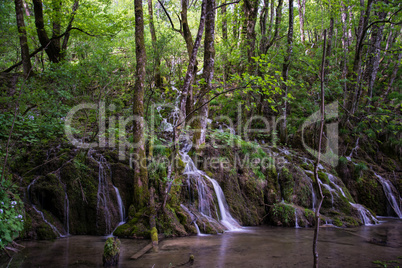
[[252, 247]]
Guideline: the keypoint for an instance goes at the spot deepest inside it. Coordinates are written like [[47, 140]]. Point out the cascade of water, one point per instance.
[[333, 180], [40, 212], [103, 193], [296, 223], [365, 216], [389, 190], [66, 206], [193, 218], [48, 223], [121, 207], [226, 218]]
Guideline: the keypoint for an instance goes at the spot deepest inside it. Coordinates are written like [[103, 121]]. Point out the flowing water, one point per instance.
[[205, 200], [55, 230], [253, 247], [392, 195]]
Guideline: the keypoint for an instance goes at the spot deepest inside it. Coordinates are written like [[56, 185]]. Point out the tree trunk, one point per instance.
[[190, 69], [140, 170], [317, 182], [285, 70], [26, 61], [355, 76], [225, 42], [209, 59], [278, 18], [302, 12], [250, 9], [51, 48], [373, 62], [69, 26], [158, 81]]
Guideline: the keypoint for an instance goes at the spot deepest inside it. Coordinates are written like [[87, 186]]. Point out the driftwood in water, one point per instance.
[[145, 249]]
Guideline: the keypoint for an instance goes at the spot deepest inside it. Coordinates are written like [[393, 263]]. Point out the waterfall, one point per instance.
[[193, 219], [66, 206], [389, 190], [204, 205], [41, 213], [296, 223], [365, 216], [120, 203], [226, 218], [103, 197]]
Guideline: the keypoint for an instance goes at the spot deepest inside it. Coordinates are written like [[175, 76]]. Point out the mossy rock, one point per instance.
[[287, 184], [45, 232], [111, 252], [282, 214]]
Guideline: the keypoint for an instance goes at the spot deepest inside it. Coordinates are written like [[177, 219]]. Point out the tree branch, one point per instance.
[[226, 4], [167, 14]]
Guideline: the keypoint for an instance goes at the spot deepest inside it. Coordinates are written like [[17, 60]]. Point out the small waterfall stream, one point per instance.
[[55, 230], [204, 196], [390, 192], [103, 209]]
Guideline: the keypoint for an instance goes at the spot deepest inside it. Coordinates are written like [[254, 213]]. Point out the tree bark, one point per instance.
[[250, 9], [209, 60], [26, 59], [51, 48], [302, 12], [278, 18], [355, 76], [190, 69], [285, 70], [69, 26], [158, 81], [373, 62], [140, 170]]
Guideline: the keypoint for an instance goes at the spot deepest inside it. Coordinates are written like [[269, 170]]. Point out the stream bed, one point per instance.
[[261, 246]]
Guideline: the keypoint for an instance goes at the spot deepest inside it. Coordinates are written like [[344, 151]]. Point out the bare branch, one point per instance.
[[226, 4], [167, 14]]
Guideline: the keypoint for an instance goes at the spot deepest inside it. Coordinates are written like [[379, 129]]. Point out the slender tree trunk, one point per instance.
[[26, 59], [263, 27], [51, 48], [355, 76], [209, 59], [190, 69], [373, 62], [302, 12], [278, 19], [317, 182], [225, 42], [69, 26], [188, 38], [285, 70], [56, 18], [158, 81], [140, 170]]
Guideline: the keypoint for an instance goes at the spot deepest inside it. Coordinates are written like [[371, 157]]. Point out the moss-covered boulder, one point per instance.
[[111, 252]]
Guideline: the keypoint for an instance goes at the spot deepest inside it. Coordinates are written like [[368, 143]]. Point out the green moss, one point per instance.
[[111, 251], [44, 232], [350, 221], [337, 222], [287, 184], [323, 177], [283, 214], [154, 234]]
